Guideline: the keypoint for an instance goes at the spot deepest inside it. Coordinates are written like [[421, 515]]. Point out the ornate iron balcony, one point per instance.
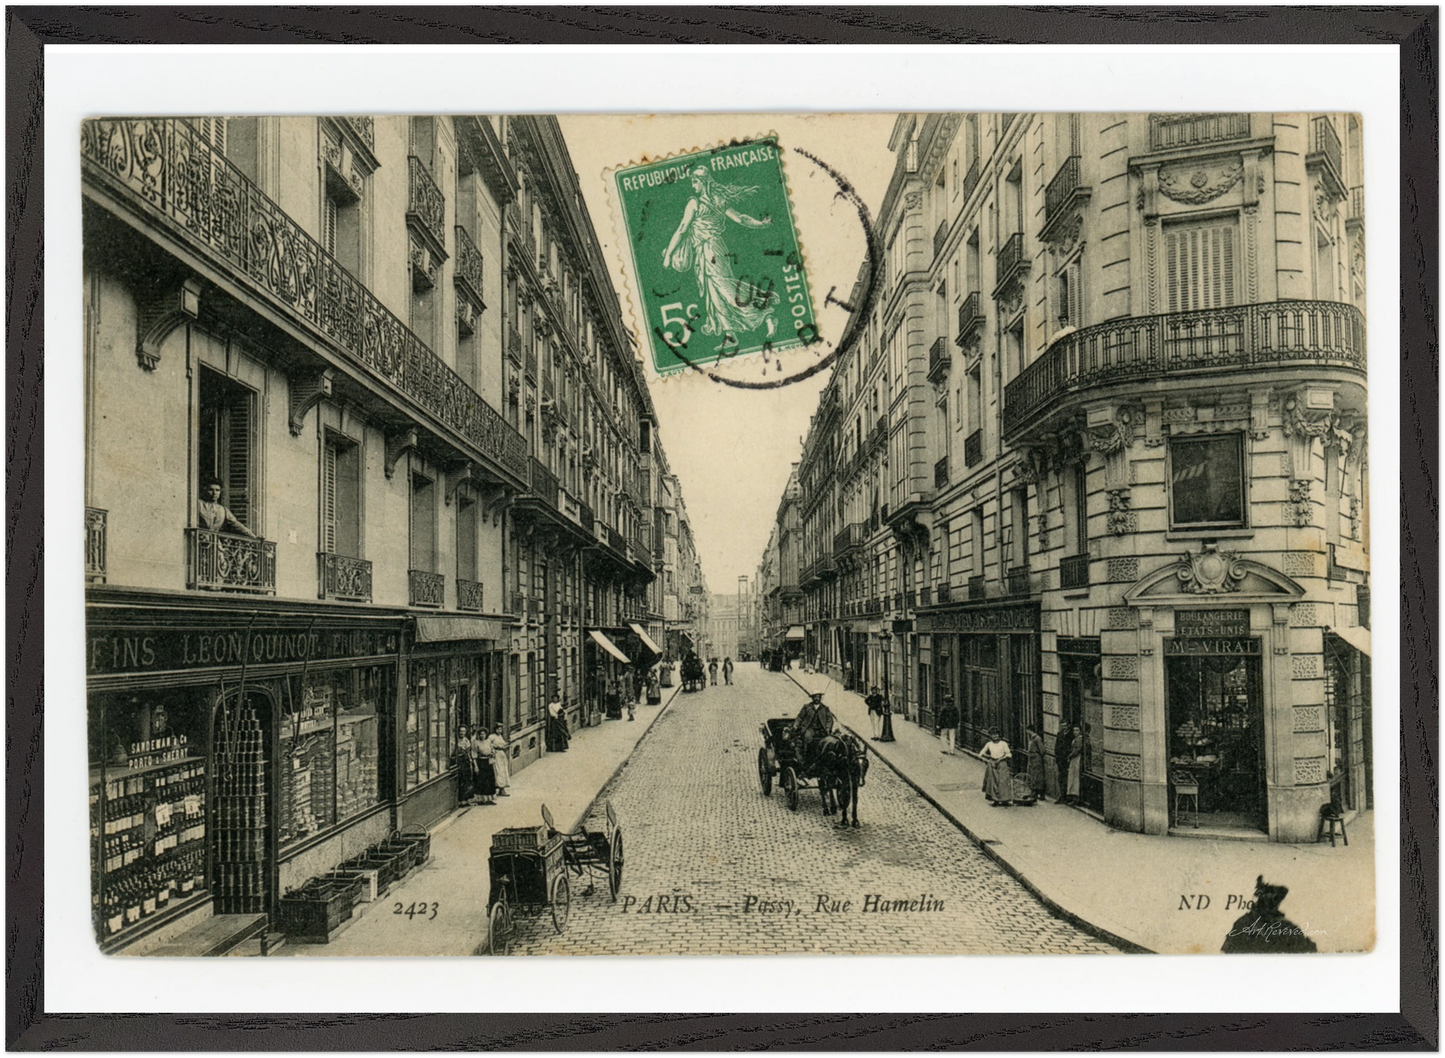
[[532, 364], [468, 274], [514, 345], [95, 544], [1168, 131], [341, 577], [1325, 145], [970, 180], [970, 318], [1062, 188], [848, 538], [1143, 348], [1010, 261], [938, 359], [426, 207], [469, 595], [940, 236], [425, 588], [224, 562], [544, 484], [167, 165], [1074, 572]]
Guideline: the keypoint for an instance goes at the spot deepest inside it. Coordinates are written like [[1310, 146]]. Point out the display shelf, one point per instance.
[[113, 772]]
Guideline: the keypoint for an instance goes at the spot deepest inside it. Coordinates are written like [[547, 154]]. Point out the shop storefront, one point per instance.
[[608, 672], [987, 659], [1081, 713], [231, 752], [454, 676]]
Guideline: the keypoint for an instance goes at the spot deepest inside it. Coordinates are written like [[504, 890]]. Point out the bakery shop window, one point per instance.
[[1206, 481]]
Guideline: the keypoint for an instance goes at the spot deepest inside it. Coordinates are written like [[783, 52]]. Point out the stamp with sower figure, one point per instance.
[[715, 254]]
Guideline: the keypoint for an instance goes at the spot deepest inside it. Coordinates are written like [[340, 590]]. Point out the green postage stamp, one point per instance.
[[715, 253]]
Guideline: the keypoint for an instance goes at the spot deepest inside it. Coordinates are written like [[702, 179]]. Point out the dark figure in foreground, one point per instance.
[[1264, 929], [842, 767]]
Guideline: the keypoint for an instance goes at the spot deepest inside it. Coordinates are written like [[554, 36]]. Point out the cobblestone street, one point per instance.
[[714, 867]]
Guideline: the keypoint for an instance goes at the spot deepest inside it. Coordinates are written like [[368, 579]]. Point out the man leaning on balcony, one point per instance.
[[212, 514]]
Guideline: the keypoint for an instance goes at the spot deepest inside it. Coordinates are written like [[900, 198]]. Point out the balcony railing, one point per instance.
[[849, 537], [1325, 144], [1010, 259], [940, 236], [938, 359], [426, 206], [970, 180], [586, 517], [532, 364], [940, 473], [424, 588], [1074, 572], [616, 541], [1357, 203], [469, 595], [544, 484], [973, 449], [1273, 334], [223, 562], [976, 589], [468, 267], [1061, 188], [342, 577], [94, 544], [169, 166], [1018, 580], [1168, 131], [970, 317], [514, 345]]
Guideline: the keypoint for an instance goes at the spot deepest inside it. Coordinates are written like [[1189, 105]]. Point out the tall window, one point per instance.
[[1012, 219], [1076, 507], [978, 566], [1015, 349], [466, 536], [1326, 282], [227, 443], [1068, 296], [1019, 509], [341, 497], [1199, 258], [423, 523], [1206, 477]]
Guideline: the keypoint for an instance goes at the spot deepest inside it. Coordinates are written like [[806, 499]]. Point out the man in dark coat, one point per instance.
[[1063, 743]]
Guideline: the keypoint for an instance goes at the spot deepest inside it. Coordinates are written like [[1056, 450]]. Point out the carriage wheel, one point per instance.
[[614, 865], [790, 786], [561, 902], [765, 773], [499, 930]]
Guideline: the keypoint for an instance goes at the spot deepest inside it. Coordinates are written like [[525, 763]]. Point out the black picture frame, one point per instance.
[[1413, 30]]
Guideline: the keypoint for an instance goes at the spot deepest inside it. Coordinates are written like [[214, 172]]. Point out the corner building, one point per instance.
[[394, 343], [1097, 455]]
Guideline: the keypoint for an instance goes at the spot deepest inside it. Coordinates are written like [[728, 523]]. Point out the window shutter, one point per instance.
[[238, 458], [1200, 259], [328, 499], [328, 224], [1075, 305]]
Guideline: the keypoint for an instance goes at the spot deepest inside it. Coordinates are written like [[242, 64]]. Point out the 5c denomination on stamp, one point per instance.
[[715, 253]]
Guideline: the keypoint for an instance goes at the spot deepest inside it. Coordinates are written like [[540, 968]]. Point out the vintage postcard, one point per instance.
[[727, 534]]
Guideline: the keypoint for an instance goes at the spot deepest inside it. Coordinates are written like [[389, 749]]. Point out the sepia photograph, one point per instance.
[[856, 533]]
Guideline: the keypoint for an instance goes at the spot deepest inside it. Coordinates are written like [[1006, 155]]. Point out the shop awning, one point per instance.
[[445, 629], [796, 632], [609, 646], [1359, 638], [646, 639]]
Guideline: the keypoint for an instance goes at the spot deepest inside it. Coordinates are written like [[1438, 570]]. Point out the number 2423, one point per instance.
[[424, 911]]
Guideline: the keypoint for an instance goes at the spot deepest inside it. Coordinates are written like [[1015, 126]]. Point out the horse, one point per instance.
[[842, 764]]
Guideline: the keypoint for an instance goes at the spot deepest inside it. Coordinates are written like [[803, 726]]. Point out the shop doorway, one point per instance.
[[240, 826], [1082, 702], [1215, 718]]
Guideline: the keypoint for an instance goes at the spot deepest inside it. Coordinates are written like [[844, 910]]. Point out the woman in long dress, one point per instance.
[[727, 308], [998, 779], [463, 757], [1076, 765], [484, 776], [501, 762], [1037, 785]]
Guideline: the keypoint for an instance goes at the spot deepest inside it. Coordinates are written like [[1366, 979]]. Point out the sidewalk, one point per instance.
[[455, 877], [1131, 886]]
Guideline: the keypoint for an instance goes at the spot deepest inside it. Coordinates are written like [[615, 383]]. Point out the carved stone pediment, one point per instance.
[[1209, 571], [1196, 183]]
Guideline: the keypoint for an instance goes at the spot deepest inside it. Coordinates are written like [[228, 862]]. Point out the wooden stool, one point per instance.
[[1185, 786], [1330, 817]]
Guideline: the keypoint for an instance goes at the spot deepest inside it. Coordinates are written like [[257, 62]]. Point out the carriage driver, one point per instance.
[[813, 723]]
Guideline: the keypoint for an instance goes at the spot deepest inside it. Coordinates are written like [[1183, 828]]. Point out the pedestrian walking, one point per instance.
[[631, 695], [1037, 785], [727, 669], [874, 701], [948, 723], [501, 760], [712, 671], [1078, 746], [557, 735], [998, 778], [887, 735], [463, 759], [1062, 744]]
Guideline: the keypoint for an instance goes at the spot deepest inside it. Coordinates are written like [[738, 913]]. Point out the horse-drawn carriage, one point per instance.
[[694, 677], [809, 752], [529, 868]]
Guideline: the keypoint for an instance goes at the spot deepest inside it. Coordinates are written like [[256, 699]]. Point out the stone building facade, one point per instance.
[[1095, 454]]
